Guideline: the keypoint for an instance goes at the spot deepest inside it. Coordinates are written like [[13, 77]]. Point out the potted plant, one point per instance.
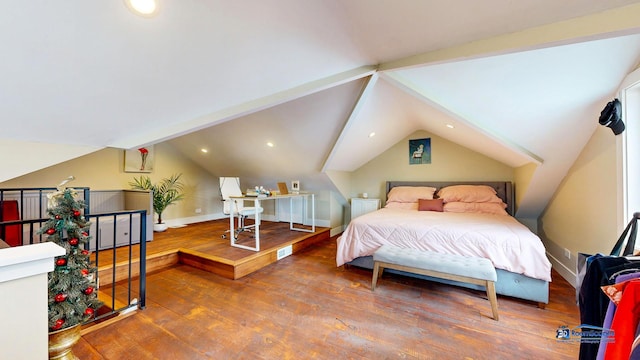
[[168, 191]]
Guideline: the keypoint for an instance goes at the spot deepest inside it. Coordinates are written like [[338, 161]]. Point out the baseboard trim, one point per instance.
[[337, 230], [563, 270]]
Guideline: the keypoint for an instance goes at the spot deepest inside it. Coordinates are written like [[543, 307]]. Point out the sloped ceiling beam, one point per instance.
[[362, 99], [611, 23], [243, 109]]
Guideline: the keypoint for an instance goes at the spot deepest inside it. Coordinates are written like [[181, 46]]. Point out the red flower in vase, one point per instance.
[[143, 153]]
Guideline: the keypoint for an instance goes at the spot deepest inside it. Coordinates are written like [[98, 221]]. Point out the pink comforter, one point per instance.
[[507, 243]]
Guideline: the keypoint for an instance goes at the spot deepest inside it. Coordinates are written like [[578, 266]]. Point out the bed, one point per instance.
[[489, 230]]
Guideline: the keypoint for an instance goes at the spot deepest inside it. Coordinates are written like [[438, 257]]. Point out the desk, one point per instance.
[[257, 200]]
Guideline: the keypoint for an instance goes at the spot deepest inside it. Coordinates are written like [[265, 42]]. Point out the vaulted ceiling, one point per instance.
[[521, 81]]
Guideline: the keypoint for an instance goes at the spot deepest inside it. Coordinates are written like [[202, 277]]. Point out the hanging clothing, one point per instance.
[[625, 322], [593, 302], [608, 319], [635, 347]]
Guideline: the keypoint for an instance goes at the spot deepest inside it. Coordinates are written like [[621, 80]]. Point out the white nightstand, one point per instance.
[[360, 206]]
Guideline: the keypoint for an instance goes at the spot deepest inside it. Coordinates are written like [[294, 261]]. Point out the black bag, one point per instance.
[[631, 243], [583, 260]]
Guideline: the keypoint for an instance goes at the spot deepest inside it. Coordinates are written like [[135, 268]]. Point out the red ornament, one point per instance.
[[51, 231], [57, 217], [84, 233], [60, 297], [89, 311], [61, 262], [84, 272], [76, 213], [89, 290], [73, 241], [84, 252], [58, 324]]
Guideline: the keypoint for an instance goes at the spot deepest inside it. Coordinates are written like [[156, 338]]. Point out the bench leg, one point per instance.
[[377, 272], [491, 294]]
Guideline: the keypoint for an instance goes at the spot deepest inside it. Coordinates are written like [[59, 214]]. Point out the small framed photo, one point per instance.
[[295, 185]]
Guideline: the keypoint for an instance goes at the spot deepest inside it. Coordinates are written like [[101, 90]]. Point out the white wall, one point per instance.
[[23, 303]]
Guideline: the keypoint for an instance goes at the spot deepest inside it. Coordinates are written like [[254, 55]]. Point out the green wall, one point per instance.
[[582, 215], [104, 170]]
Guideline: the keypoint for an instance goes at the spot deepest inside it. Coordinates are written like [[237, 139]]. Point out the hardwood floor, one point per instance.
[[303, 306], [202, 245]]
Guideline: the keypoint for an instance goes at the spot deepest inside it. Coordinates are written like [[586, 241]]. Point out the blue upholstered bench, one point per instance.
[[479, 271]]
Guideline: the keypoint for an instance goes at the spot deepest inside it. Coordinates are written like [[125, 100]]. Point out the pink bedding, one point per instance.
[[510, 245]]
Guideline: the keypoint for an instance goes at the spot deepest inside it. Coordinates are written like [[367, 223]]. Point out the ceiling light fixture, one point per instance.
[[450, 126], [372, 134], [204, 150], [146, 8], [270, 144]]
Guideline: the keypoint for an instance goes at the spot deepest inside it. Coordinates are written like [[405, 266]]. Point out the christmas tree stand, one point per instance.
[[61, 343]]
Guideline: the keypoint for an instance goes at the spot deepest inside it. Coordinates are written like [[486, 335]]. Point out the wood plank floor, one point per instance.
[[305, 307], [202, 245]]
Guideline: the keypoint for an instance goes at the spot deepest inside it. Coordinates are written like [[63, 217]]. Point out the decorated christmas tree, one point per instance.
[[72, 284]]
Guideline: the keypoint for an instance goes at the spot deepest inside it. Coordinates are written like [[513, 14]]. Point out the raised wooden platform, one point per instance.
[[201, 245]]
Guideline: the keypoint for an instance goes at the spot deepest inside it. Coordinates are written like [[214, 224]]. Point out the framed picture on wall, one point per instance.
[[420, 151], [295, 186], [139, 160]]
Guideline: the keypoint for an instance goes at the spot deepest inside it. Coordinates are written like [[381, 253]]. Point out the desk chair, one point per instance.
[[230, 186]]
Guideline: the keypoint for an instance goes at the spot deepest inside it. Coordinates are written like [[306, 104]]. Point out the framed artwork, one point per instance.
[[295, 186], [420, 151], [139, 160]]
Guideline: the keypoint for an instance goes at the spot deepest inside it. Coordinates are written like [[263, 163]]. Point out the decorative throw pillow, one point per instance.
[[615, 291], [469, 193], [430, 205]]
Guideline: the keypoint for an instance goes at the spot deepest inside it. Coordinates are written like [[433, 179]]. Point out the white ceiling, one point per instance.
[[522, 81]]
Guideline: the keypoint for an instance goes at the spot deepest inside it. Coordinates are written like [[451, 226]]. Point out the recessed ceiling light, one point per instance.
[[204, 150], [450, 126], [372, 134], [145, 8], [270, 144]]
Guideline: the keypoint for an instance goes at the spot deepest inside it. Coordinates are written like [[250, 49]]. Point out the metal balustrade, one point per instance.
[[112, 235]]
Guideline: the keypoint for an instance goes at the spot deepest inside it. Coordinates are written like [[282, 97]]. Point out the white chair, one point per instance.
[[230, 187]]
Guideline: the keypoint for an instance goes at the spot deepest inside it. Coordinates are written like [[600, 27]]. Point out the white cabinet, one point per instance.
[[360, 206]]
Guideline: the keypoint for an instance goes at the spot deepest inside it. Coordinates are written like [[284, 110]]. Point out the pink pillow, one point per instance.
[[410, 194], [484, 208], [399, 205], [469, 194], [430, 205]]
